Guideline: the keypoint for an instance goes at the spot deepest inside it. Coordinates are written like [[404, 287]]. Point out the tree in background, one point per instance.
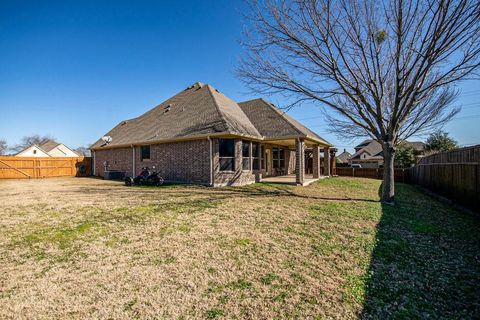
[[3, 147], [28, 141], [385, 69], [405, 155], [440, 141], [83, 151]]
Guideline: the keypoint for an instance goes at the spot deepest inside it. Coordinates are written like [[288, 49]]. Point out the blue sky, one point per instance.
[[74, 69]]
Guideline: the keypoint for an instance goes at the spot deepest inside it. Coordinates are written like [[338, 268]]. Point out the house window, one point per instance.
[[227, 154], [145, 152], [34, 151], [262, 156], [246, 155], [255, 149], [278, 158]]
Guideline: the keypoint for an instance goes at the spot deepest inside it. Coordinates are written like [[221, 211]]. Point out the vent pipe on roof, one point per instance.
[[167, 108]]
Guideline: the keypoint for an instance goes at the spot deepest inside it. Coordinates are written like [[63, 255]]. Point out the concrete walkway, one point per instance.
[[290, 179]]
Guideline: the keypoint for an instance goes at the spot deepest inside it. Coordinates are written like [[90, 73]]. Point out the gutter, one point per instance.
[[211, 161]]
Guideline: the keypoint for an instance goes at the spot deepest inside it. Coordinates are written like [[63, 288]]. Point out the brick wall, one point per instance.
[[186, 161], [118, 159], [231, 178]]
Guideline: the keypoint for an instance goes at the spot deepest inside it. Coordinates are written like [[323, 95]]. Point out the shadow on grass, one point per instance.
[[426, 261]]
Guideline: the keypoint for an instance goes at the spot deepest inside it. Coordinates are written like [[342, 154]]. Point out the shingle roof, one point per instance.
[[344, 156], [271, 122], [201, 110], [49, 145], [198, 110], [372, 147]]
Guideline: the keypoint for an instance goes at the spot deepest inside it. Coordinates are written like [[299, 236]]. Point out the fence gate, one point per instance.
[[36, 167]]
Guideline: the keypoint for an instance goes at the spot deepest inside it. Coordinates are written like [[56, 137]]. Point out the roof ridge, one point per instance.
[[215, 102]]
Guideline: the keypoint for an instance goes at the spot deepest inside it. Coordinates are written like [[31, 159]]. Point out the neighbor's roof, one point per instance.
[[374, 148], [49, 145], [344, 156], [199, 110], [371, 147], [30, 147]]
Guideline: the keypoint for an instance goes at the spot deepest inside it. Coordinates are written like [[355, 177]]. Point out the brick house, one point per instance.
[[201, 136], [369, 153]]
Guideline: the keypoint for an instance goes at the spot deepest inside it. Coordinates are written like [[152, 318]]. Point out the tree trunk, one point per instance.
[[388, 187]]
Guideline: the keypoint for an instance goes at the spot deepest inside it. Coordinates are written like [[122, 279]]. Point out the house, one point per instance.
[[201, 136], [343, 157], [49, 148], [369, 153]]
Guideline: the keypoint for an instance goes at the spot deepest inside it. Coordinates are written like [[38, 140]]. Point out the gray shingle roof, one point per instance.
[[201, 110], [371, 147], [49, 145], [271, 122], [344, 156]]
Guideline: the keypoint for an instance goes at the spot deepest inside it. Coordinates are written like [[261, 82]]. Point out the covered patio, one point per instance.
[[296, 160]]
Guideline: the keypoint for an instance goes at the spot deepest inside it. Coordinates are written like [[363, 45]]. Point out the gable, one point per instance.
[[32, 151], [274, 123]]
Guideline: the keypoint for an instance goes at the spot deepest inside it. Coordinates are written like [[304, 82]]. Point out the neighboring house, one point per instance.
[[201, 136], [33, 151], [369, 153], [343, 157], [49, 148]]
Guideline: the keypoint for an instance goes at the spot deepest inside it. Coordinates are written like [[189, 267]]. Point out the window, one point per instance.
[[255, 149], [275, 158], [34, 151], [227, 154], [278, 158], [246, 155], [262, 156], [145, 152], [281, 158]]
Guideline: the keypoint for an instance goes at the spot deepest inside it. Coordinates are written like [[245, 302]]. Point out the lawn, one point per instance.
[[88, 248]]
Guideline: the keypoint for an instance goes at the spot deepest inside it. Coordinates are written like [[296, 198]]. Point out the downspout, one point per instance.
[[133, 162], [93, 163], [211, 160]]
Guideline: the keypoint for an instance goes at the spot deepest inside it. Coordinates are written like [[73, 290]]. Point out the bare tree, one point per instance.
[[3, 147], [83, 151], [384, 69], [28, 141]]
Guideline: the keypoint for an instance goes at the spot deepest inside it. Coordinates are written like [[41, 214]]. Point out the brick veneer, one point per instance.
[[231, 178], [186, 161], [118, 159]]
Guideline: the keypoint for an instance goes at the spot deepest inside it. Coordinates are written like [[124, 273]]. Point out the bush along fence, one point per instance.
[[36, 167], [453, 174]]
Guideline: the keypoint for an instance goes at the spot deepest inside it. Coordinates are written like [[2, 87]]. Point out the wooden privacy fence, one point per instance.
[[36, 167], [401, 175], [454, 174]]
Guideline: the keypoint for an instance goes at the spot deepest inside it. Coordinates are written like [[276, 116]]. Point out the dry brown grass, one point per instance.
[[88, 248]]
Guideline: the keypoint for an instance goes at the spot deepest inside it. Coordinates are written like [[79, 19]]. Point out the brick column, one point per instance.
[[238, 155], [299, 161], [316, 161], [333, 162], [326, 161]]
